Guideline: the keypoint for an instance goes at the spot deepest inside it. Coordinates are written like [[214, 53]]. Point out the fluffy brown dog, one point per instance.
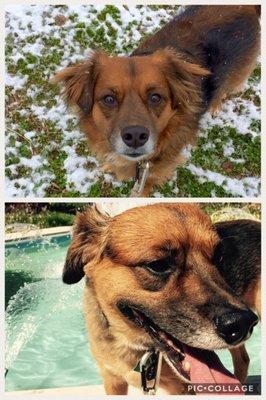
[[155, 280], [148, 106]]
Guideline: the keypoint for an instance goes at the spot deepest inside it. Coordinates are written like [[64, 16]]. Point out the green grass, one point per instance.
[[42, 215], [70, 37], [44, 219]]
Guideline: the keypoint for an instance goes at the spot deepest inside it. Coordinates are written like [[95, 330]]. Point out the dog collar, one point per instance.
[[142, 172], [149, 368]]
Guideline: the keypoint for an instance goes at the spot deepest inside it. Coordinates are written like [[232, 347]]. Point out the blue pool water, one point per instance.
[[46, 339]]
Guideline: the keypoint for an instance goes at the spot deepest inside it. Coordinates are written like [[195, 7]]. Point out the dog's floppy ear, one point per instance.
[[241, 232], [88, 243], [239, 249], [79, 81], [183, 79]]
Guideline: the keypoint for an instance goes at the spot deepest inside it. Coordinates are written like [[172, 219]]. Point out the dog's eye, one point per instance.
[[162, 266], [109, 100], [155, 98]]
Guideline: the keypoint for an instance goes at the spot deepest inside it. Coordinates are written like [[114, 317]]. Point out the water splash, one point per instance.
[[41, 259], [32, 306], [46, 338]]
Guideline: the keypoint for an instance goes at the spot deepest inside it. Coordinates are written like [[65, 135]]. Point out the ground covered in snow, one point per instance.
[[47, 155]]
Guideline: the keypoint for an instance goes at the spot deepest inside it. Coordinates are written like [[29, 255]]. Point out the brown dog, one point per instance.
[[153, 282], [148, 106]]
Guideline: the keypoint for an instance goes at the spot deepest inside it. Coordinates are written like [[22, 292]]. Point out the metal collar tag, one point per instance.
[[150, 370], [142, 173]]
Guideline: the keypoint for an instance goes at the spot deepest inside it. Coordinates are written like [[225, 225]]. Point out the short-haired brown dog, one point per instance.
[[147, 106], [164, 277]]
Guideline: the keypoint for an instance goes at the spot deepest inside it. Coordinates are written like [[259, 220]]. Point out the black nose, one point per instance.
[[135, 136], [235, 326]]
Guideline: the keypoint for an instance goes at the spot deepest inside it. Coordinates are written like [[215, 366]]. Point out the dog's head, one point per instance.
[[152, 271], [130, 101]]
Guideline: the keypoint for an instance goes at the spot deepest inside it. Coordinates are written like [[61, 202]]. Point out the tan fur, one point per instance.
[[241, 360], [153, 70], [110, 250], [175, 75], [253, 296], [239, 354]]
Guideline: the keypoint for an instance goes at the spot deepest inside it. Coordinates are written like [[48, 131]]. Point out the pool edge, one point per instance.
[[37, 232]]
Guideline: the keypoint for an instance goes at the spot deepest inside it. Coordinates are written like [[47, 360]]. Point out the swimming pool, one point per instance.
[[46, 340]]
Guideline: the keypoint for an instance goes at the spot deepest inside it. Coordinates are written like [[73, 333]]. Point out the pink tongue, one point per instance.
[[206, 368]]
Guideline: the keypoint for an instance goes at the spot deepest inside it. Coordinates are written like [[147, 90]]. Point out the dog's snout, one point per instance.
[[135, 136], [235, 326]]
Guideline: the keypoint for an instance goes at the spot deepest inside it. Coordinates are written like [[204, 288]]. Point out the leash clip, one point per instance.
[[142, 173], [150, 370]]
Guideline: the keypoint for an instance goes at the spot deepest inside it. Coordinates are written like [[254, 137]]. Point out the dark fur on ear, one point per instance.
[[87, 244], [238, 254], [184, 79], [79, 81]]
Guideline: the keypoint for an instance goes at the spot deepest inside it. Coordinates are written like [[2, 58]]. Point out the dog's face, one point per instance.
[[133, 104], [151, 267], [131, 100]]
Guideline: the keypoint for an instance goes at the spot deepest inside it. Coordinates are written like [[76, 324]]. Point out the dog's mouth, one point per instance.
[[190, 364], [135, 156]]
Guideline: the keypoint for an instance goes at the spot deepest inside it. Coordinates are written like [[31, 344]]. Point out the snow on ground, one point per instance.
[[47, 155]]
